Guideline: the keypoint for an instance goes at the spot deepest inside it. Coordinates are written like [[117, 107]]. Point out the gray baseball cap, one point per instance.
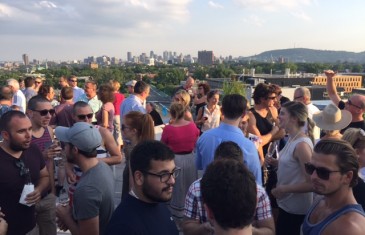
[[82, 135]]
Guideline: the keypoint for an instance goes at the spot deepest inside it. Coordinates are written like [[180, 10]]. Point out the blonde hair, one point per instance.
[[356, 137], [185, 97], [115, 84]]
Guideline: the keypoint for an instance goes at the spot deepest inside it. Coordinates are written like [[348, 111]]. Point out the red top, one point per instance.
[[119, 97], [181, 139]]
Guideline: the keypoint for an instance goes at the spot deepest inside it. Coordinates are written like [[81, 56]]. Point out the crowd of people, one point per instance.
[[280, 167]]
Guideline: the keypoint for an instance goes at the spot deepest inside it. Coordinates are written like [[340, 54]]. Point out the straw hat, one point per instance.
[[332, 118]]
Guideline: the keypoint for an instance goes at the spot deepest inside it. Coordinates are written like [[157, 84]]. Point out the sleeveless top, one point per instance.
[[198, 106], [44, 141], [264, 124], [213, 120], [316, 229], [290, 173]]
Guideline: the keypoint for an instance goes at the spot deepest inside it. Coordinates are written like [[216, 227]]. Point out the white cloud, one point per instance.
[[254, 20], [215, 5], [90, 17], [301, 15], [273, 5]]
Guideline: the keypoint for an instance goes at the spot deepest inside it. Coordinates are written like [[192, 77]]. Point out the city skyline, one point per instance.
[[73, 30]]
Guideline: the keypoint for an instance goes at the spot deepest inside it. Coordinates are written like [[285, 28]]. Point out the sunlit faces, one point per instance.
[[284, 118], [42, 120], [336, 179], [20, 133], [90, 90], [128, 132], [152, 188], [214, 99], [82, 114]]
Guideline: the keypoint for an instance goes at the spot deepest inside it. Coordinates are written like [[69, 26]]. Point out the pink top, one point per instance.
[[118, 100], [181, 139], [109, 107]]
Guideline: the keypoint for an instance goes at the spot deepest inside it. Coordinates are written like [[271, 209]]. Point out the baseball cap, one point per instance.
[[131, 83], [82, 135]]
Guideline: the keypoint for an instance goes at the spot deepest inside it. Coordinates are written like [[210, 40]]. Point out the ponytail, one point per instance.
[[310, 127]]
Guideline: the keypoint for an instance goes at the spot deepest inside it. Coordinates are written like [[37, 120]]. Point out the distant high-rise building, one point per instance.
[[25, 59], [165, 55], [205, 57], [152, 54], [129, 56]]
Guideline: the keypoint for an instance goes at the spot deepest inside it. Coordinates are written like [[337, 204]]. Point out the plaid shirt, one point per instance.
[[194, 208]]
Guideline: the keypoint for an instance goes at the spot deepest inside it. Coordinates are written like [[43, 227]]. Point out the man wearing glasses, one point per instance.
[[355, 103], [17, 156], [93, 203], [334, 172], [143, 211], [40, 112], [72, 81], [91, 98]]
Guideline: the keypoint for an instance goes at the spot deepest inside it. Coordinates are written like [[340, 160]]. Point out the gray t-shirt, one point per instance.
[[94, 195]]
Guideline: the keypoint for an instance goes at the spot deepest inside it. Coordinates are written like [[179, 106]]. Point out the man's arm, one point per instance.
[[194, 227], [110, 146], [264, 227], [331, 87]]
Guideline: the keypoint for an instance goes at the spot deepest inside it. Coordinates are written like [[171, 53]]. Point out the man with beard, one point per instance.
[[336, 166], [93, 201], [20, 161], [143, 210]]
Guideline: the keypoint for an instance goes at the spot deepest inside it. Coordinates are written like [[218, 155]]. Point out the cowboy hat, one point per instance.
[[332, 118]]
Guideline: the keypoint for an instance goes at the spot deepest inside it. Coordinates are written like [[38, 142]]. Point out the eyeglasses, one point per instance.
[[298, 97], [125, 127], [84, 116], [73, 80], [165, 177], [271, 98], [350, 103], [44, 112], [20, 164], [36, 82], [323, 173]]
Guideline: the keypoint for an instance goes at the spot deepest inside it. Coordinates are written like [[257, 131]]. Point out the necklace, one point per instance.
[[287, 145]]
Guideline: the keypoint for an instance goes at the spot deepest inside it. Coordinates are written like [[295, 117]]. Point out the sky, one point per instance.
[[75, 29]]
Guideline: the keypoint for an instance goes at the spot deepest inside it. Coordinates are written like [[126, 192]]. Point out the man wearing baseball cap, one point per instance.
[[93, 202], [130, 86]]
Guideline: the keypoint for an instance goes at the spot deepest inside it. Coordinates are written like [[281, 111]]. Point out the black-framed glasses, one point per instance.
[[322, 172], [350, 103], [21, 165], [44, 112], [84, 116], [298, 97], [165, 177]]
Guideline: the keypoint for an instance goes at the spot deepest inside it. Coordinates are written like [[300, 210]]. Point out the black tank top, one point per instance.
[[264, 124]]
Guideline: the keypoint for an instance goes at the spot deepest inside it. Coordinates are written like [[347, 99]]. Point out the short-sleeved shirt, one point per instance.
[[63, 115], [134, 216], [194, 208], [210, 140], [94, 195], [132, 103], [77, 92], [20, 218]]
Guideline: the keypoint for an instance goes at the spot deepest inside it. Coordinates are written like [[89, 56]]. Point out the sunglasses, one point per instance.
[[84, 116], [37, 82], [350, 103], [298, 97], [73, 80], [21, 165], [44, 112], [322, 172]]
